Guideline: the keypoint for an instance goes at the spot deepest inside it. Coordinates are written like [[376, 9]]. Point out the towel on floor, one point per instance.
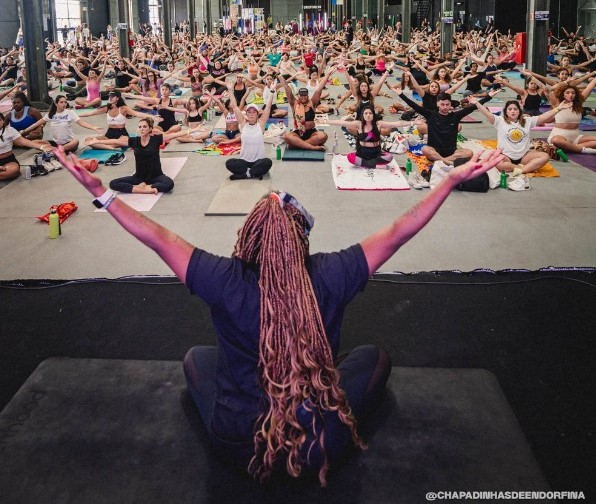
[[548, 170], [352, 178], [220, 150]]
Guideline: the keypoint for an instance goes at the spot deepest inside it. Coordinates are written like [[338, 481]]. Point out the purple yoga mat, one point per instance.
[[586, 160]]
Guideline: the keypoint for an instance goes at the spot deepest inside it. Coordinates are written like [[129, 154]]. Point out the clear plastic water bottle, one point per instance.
[[55, 230]]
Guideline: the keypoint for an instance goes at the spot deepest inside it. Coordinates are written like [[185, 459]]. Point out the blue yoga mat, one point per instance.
[[101, 155]]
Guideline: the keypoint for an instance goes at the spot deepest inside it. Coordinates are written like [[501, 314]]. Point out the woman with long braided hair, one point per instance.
[[273, 393]]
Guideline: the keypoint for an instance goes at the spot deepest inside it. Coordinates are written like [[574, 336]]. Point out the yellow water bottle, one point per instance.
[[55, 230]]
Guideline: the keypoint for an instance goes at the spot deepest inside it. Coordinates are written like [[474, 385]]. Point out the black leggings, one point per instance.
[[247, 169], [363, 374], [163, 183]]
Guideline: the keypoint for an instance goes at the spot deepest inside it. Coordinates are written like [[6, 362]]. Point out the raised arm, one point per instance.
[[417, 87], [265, 115], [588, 89], [483, 110], [174, 251], [237, 112], [517, 90], [375, 91], [549, 115], [416, 106], [380, 246]]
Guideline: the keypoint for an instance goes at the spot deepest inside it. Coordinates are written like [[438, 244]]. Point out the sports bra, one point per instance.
[[231, 117], [24, 122], [367, 136], [117, 121], [194, 119], [568, 116], [309, 115]]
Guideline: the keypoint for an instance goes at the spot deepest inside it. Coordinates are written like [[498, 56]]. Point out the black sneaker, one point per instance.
[[115, 159], [119, 159]]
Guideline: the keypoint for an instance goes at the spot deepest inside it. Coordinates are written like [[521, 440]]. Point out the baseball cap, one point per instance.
[[114, 93], [252, 106], [303, 91]]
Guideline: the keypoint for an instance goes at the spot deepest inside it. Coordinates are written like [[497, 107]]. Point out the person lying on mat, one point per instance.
[[368, 138], [148, 177], [513, 136], [252, 162], [442, 127], [305, 135], [272, 393]]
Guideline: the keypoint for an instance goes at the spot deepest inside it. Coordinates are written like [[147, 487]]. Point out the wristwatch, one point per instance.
[[105, 199]]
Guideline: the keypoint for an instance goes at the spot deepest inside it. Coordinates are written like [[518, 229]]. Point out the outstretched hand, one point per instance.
[[475, 166], [72, 164]]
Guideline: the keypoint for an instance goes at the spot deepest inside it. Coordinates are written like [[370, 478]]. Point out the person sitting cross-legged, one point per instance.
[[443, 127], [252, 162]]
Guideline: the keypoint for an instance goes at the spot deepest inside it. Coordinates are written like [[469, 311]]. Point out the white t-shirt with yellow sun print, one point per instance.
[[513, 138]]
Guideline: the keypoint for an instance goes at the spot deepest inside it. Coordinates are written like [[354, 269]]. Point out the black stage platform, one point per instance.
[[532, 330]]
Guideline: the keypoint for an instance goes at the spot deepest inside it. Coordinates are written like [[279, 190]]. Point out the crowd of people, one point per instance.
[[274, 392], [192, 76]]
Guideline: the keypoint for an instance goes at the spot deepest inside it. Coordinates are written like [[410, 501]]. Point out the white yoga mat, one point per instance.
[[348, 177], [144, 202], [238, 197]]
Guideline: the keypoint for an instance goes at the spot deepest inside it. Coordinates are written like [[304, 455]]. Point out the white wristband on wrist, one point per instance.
[[105, 200]]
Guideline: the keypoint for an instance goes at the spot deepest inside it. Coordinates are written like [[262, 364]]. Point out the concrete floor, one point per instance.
[[550, 225]]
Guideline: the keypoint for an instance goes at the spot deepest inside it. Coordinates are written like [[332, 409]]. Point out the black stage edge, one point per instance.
[[533, 330]]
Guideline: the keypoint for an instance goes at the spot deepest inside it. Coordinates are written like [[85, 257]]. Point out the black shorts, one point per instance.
[[305, 135], [114, 133], [9, 159], [515, 161], [273, 108], [231, 134], [444, 153]]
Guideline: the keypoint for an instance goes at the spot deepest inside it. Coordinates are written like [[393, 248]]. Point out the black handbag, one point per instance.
[[477, 184]]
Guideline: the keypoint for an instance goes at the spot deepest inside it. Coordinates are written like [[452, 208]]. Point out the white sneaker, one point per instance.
[[48, 166], [423, 182], [518, 183], [413, 179]]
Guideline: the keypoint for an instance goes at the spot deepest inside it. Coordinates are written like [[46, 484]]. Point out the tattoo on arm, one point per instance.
[[413, 212]]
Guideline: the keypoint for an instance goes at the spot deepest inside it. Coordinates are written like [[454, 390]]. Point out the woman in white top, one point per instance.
[[9, 166], [252, 162], [513, 136], [61, 120]]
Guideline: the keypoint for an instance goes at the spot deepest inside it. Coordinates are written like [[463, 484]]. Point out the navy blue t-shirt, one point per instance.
[[230, 288]]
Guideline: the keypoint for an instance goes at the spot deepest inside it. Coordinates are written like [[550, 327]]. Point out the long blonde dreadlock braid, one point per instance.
[[295, 359]]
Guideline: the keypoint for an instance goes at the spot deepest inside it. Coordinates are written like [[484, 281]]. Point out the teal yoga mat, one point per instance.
[[101, 155], [300, 155]]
